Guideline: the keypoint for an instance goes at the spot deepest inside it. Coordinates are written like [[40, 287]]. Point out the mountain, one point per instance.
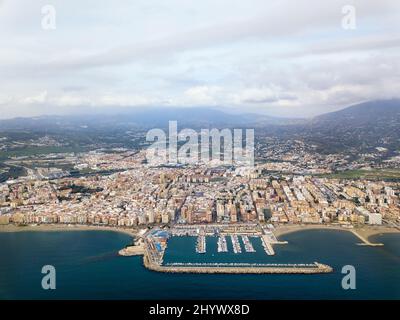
[[356, 129], [363, 114], [362, 126]]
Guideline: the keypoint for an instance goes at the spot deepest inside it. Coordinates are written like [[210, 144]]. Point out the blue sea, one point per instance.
[[88, 267]]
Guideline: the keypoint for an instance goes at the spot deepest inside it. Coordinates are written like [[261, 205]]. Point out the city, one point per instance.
[[144, 195]]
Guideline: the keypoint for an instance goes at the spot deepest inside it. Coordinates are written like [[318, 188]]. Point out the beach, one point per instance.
[[62, 227], [364, 232]]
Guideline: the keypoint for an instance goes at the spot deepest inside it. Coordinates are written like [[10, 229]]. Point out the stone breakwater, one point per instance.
[[317, 268], [131, 251]]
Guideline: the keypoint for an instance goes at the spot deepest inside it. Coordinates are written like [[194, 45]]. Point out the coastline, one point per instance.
[[370, 231], [365, 231], [61, 227]]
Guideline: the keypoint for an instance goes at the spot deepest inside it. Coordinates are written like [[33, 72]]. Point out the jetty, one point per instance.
[[365, 242]]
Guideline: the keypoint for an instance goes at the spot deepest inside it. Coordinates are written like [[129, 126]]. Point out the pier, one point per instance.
[[201, 244], [222, 244], [267, 245]]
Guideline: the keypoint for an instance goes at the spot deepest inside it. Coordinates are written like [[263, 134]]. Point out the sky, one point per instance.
[[279, 57]]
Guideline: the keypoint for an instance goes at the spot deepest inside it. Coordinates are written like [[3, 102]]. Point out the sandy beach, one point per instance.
[[364, 231], [61, 227], [369, 231]]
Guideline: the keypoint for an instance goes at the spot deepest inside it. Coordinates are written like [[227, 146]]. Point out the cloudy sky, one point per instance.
[[284, 58]]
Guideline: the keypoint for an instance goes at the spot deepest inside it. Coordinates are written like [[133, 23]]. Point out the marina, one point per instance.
[[236, 244], [248, 260]]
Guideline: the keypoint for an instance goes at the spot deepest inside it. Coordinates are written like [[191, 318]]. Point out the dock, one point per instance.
[[201, 244], [247, 244], [222, 244], [236, 244]]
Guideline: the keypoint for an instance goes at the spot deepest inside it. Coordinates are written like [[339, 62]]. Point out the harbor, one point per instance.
[[155, 245], [246, 242], [251, 262]]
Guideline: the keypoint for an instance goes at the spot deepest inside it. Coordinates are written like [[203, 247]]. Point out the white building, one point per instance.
[[372, 218]]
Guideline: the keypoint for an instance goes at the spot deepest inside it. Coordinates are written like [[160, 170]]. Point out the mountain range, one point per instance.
[[365, 125]]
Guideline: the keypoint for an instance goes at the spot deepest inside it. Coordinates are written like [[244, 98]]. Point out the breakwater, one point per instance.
[[365, 241], [132, 251], [238, 268]]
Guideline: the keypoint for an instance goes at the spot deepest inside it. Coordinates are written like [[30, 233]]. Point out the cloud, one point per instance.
[[263, 24], [36, 99], [276, 57], [363, 44], [261, 96], [202, 95]]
